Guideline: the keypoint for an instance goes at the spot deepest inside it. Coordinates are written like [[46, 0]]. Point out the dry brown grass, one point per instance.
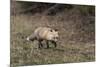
[[75, 44], [76, 30]]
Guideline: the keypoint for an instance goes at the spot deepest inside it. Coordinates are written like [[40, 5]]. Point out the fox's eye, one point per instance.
[[55, 37]]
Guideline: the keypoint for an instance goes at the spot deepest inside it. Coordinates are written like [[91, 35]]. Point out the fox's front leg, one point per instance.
[[47, 43], [55, 44]]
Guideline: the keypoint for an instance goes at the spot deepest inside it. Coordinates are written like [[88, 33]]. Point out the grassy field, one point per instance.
[[76, 26], [70, 49]]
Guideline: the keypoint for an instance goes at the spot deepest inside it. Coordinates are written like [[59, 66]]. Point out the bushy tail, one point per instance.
[[30, 38]]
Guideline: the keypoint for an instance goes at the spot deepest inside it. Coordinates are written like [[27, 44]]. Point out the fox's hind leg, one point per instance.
[[40, 44]]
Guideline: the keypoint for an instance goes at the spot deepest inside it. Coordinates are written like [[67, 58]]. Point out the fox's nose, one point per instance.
[[56, 38]]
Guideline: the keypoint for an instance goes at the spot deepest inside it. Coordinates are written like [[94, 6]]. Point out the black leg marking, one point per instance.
[[55, 44], [47, 42], [40, 44]]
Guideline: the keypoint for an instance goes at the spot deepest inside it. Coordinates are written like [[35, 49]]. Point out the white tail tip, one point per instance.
[[27, 39]]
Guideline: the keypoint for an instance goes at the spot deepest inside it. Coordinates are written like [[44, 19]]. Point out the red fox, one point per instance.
[[44, 33]]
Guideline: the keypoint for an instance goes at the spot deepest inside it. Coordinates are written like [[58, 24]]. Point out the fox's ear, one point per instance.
[[56, 29], [51, 30]]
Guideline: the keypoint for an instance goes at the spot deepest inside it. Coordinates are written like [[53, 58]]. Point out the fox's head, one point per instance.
[[53, 35]]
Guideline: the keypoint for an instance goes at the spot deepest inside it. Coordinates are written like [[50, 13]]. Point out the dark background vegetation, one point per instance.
[[76, 25]]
